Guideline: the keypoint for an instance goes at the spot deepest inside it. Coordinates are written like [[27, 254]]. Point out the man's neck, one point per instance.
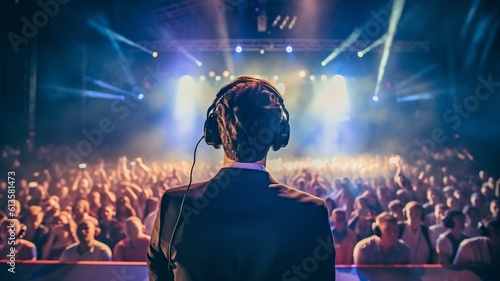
[[382, 245], [228, 161]]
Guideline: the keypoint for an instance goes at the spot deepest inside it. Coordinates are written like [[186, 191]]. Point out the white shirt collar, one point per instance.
[[249, 166]]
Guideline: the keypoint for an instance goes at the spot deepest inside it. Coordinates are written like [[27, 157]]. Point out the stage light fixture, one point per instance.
[[324, 77], [231, 77], [276, 77], [302, 74], [217, 78], [289, 49], [154, 54], [262, 51], [375, 98], [211, 74], [202, 78], [360, 54], [140, 96], [225, 73], [238, 49], [312, 77]]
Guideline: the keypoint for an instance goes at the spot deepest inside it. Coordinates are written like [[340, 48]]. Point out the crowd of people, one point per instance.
[[384, 209]]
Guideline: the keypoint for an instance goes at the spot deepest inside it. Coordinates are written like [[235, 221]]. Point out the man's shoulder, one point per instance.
[[101, 246], [292, 194], [366, 243], [27, 243], [71, 247], [469, 242]]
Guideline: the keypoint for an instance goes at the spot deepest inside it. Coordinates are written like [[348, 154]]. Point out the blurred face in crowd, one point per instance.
[[86, 231], [475, 200], [108, 213], [453, 203], [433, 196], [414, 214], [494, 208], [95, 198], [439, 213], [133, 228], [389, 231], [80, 207], [339, 220]]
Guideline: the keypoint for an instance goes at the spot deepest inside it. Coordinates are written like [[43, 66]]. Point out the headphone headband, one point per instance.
[[211, 130]]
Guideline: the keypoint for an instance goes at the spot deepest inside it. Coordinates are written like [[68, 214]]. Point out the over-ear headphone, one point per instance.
[[211, 129]]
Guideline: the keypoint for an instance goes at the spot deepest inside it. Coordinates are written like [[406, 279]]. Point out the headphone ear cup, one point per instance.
[[211, 131], [376, 230], [282, 136]]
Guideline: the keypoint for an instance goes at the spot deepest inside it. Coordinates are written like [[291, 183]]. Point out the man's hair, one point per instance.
[[395, 204], [248, 116], [414, 204], [385, 217], [451, 214]]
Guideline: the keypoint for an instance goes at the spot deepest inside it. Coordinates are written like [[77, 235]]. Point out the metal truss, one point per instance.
[[277, 45]]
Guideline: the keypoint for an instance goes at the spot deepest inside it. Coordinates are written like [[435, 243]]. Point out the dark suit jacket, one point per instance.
[[242, 225]]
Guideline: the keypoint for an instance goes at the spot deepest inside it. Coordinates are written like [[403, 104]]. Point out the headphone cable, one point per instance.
[[170, 263]]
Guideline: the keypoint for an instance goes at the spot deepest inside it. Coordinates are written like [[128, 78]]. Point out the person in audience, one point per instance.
[[135, 245], [36, 232], [124, 209], [434, 198], [481, 251], [24, 249], [453, 203], [383, 247], [384, 197], [152, 206], [62, 233], [396, 210], [438, 228], [110, 229], [87, 248], [416, 235], [494, 210], [81, 211], [477, 200], [344, 238], [472, 218], [447, 243], [94, 203]]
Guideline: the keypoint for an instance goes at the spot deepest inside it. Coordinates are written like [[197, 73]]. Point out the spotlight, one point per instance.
[[231, 77], [375, 98], [262, 51], [238, 49], [360, 54], [199, 63], [324, 77], [276, 77], [302, 74], [217, 78], [312, 77], [289, 49], [211, 74], [225, 73], [140, 96], [323, 63], [154, 54], [202, 78]]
